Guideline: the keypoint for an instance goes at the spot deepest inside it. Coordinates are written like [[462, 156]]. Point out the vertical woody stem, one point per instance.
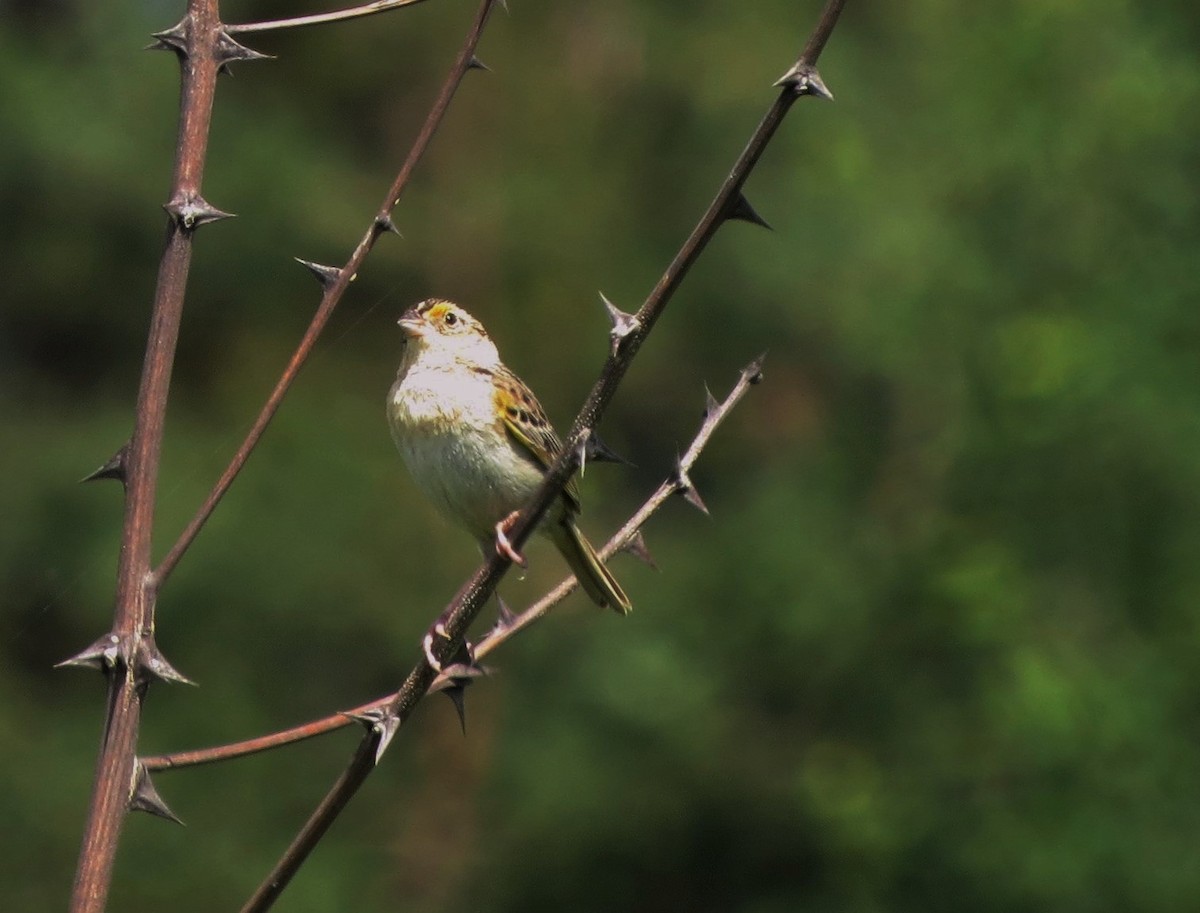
[[133, 617]]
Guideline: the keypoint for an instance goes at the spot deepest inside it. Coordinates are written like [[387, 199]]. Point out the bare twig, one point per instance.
[[353, 12], [335, 286], [715, 414], [445, 638], [128, 654]]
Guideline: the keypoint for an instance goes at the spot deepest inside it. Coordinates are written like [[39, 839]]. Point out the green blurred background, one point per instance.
[[936, 648]]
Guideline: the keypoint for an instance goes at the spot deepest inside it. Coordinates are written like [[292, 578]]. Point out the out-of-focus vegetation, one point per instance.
[[937, 648]]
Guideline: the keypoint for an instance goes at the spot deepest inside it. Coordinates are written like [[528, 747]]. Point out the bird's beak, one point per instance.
[[411, 325]]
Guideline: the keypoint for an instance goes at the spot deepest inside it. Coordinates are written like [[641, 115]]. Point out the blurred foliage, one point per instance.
[[935, 651]]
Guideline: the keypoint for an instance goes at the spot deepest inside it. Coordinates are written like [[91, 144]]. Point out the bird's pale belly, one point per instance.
[[471, 476]]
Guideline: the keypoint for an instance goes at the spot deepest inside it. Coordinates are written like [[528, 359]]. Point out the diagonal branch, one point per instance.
[[445, 638], [339, 280], [678, 483], [628, 333], [506, 628], [354, 12]]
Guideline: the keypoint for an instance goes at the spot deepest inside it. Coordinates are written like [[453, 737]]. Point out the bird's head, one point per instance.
[[442, 330]]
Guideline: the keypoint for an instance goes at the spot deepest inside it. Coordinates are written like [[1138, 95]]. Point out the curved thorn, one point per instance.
[[229, 50], [457, 693], [145, 798], [190, 213], [152, 664], [636, 546], [740, 210], [803, 79], [505, 617], [685, 487], [176, 39], [599, 451], [623, 323], [693, 497], [380, 722], [384, 223], [326, 275], [582, 452], [753, 372], [103, 654], [113, 467]]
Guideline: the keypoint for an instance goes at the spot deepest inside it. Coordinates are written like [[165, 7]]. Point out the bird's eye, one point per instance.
[[450, 319]]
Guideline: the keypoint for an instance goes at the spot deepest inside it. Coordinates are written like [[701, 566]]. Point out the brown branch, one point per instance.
[[128, 655], [354, 12], [444, 639], [677, 483], [335, 287], [628, 333]]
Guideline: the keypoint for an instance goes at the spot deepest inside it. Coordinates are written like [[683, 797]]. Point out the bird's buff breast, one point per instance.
[[456, 449]]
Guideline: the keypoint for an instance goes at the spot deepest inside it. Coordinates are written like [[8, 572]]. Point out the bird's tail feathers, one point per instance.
[[597, 581]]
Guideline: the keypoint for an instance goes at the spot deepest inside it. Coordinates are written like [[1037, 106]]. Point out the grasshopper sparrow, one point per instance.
[[477, 442]]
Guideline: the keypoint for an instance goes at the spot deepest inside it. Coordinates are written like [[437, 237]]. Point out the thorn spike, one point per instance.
[[380, 722], [457, 694], [326, 275], [103, 654], [229, 50], [387, 730], [113, 467], [465, 672], [600, 452], [173, 39], [684, 486], [693, 497], [710, 403], [623, 324], [815, 85], [464, 658], [740, 210], [476, 64], [190, 213], [803, 79], [753, 372], [504, 619], [581, 452], [384, 223], [153, 665], [636, 546], [367, 718], [507, 616], [145, 798]]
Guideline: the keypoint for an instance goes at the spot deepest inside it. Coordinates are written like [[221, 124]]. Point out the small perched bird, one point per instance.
[[477, 442]]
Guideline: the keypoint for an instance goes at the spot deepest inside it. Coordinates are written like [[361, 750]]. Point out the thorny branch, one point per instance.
[[444, 641], [626, 537], [335, 281], [128, 654]]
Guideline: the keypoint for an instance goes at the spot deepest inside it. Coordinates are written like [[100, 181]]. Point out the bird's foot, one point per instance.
[[439, 631], [503, 546]]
